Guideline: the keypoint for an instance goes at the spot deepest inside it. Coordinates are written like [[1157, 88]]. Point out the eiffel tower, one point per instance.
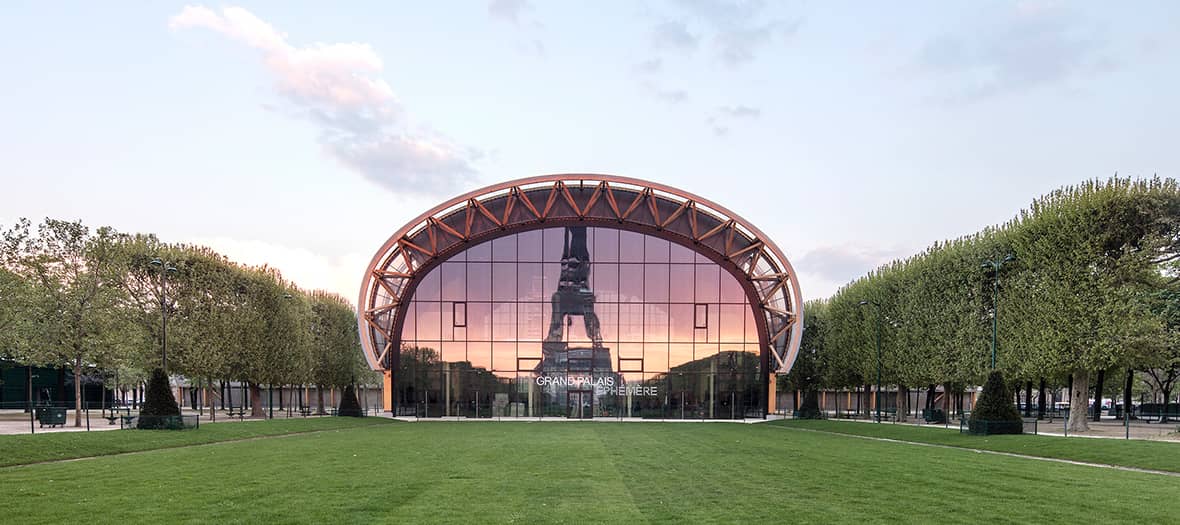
[[574, 298]]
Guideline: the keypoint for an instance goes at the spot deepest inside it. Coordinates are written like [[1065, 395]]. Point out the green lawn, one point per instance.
[[578, 473], [25, 448], [1153, 455]]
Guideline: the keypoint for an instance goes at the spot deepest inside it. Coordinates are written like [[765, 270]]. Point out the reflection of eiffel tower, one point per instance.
[[574, 298]]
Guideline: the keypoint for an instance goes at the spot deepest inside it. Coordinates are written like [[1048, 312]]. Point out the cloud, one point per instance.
[[338, 88], [736, 30], [1025, 47], [672, 96], [509, 10], [721, 120], [715, 125], [650, 66], [741, 111], [674, 35]]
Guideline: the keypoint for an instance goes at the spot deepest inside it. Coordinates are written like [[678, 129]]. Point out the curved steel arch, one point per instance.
[[586, 200]]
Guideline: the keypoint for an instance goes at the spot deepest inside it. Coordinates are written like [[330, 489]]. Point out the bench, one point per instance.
[[305, 411]]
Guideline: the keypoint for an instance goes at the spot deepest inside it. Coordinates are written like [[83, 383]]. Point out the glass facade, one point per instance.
[[579, 322]]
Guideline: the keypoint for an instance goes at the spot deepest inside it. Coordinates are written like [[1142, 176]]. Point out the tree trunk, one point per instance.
[[319, 392], [1127, 394], [1079, 402], [78, 392], [868, 400], [1098, 395], [1041, 400], [256, 401], [902, 398], [1167, 402]]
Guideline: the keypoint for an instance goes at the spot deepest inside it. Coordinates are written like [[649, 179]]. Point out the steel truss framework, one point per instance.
[[581, 200]]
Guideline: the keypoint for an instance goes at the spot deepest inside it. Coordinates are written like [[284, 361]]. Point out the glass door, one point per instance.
[[580, 404]]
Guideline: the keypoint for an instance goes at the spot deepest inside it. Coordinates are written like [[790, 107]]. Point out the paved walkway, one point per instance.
[[1108, 428], [17, 421]]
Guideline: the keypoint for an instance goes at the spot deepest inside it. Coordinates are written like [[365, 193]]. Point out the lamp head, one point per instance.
[[862, 303], [1009, 258], [156, 262]]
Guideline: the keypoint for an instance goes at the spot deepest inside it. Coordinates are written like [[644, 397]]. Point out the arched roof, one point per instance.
[[581, 200]]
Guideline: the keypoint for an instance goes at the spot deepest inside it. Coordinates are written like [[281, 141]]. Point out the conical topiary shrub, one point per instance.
[[995, 413], [809, 408], [159, 408], [349, 406]]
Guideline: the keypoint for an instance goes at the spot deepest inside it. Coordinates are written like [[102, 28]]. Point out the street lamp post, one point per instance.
[[165, 269], [996, 265], [878, 399]]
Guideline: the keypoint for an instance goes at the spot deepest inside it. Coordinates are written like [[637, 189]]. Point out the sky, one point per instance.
[[302, 135]]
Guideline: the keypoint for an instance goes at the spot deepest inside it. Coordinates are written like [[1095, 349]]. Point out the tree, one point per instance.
[[74, 293], [336, 352], [1164, 370], [806, 374]]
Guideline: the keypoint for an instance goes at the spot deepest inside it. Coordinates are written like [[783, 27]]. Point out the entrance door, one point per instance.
[[580, 404]]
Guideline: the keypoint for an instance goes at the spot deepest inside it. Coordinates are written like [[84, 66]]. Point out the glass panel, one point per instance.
[[731, 290], [655, 249], [655, 283], [680, 275], [708, 285], [528, 246], [429, 321], [479, 321], [604, 280], [454, 285], [480, 252], [504, 357], [630, 246], [655, 357], [504, 281], [552, 273], [750, 327], [631, 322], [454, 351], [480, 355], [680, 322], [681, 354], [479, 281], [531, 324], [655, 322], [680, 254], [408, 325], [606, 245], [631, 350], [504, 248], [530, 284], [730, 324], [705, 351], [630, 283], [608, 316], [554, 244], [504, 321], [428, 289]]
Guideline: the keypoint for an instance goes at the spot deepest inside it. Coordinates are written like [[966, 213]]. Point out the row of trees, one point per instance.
[[84, 298], [1091, 290]]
